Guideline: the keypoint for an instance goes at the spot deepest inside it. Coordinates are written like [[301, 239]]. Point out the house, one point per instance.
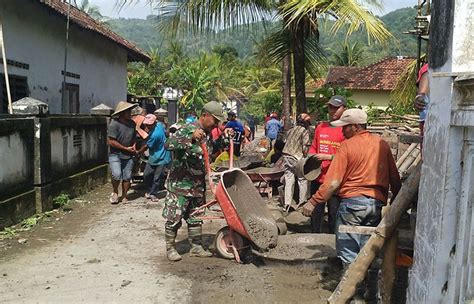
[[371, 84], [35, 41]]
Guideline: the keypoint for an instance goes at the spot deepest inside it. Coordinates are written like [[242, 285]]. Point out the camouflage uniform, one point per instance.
[[186, 182]]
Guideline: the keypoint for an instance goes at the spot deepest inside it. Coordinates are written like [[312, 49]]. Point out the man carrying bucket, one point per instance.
[[361, 173], [186, 183]]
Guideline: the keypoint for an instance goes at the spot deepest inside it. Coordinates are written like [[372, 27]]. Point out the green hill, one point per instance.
[[145, 33]]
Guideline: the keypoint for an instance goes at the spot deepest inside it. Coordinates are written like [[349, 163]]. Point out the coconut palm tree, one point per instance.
[[299, 35], [348, 54]]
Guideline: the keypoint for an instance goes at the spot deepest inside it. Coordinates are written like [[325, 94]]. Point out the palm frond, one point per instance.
[[280, 43], [349, 14], [405, 89]]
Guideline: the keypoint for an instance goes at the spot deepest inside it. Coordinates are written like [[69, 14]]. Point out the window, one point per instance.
[[18, 90], [71, 101]]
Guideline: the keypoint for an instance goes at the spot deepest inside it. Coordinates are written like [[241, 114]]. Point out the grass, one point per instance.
[[61, 201], [8, 233]]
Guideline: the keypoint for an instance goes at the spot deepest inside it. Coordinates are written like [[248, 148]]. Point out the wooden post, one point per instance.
[[389, 268], [5, 69], [357, 270]]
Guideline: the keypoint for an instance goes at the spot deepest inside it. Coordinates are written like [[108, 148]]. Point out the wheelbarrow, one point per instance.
[[263, 176], [249, 221]]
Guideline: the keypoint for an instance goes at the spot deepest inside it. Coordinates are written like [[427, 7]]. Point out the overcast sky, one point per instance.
[[141, 9]]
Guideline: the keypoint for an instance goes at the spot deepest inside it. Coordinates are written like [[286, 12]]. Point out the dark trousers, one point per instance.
[[154, 178], [318, 214]]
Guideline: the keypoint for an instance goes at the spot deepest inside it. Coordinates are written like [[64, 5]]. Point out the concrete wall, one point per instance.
[[42, 157], [36, 36], [16, 156], [77, 145], [444, 239]]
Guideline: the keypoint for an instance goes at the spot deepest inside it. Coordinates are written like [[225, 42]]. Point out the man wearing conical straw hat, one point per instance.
[[121, 140]]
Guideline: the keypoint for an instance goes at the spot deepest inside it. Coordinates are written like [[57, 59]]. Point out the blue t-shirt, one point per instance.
[[238, 130], [273, 127], [156, 146]]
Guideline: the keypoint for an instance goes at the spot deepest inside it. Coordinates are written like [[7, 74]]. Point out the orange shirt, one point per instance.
[[362, 166]]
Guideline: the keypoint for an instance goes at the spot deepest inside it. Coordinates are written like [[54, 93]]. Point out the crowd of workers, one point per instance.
[[357, 168]]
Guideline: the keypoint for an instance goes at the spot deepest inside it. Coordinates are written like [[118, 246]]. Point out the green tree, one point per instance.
[[348, 54], [201, 82], [145, 79], [299, 35]]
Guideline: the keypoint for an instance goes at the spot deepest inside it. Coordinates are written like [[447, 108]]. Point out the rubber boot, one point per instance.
[[171, 253], [195, 239]]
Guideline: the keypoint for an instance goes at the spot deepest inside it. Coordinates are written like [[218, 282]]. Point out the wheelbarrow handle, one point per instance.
[[231, 152], [208, 167]]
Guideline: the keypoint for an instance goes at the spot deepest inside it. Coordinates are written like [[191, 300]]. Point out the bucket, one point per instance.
[[308, 167]]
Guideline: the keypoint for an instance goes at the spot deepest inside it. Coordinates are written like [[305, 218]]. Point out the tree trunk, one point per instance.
[[299, 67], [286, 89]]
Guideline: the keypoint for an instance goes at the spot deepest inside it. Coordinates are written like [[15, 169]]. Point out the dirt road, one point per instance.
[[104, 253]]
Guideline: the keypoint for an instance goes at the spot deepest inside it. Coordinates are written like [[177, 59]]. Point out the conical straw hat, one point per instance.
[[123, 106]]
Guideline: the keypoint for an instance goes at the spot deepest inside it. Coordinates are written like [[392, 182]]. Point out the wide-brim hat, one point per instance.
[[161, 112], [123, 106]]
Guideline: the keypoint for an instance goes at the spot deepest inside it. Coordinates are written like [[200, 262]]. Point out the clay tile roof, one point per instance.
[[315, 84], [86, 22], [381, 75]]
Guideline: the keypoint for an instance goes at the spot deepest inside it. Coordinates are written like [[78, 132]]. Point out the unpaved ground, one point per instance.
[[104, 253]]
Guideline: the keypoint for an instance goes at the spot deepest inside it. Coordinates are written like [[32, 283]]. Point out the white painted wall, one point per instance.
[[36, 36], [443, 270]]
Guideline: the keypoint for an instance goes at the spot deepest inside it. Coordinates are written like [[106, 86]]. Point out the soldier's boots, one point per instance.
[[195, 239], [171, 253]]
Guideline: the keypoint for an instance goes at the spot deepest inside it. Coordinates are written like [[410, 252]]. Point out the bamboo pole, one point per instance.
[[357, 270], [406, 154], [404, 117], [5, 69], [409, 161], [389, 268]]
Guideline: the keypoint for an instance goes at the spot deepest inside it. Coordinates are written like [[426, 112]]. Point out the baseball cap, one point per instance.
[[149, 119], [337, 101], [215, 109], [351, 117]]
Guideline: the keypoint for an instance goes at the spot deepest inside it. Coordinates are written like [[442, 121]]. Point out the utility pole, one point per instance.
[[63, 99]]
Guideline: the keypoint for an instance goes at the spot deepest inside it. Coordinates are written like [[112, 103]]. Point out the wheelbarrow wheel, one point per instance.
[[224, 240]]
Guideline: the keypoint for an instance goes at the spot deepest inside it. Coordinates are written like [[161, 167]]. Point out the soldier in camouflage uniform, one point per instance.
[[186, 182]]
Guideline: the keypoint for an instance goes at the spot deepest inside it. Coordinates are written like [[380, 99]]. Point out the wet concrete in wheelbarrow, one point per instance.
[[251, 208]]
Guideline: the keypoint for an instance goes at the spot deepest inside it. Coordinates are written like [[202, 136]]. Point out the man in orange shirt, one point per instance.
[[361, 173]]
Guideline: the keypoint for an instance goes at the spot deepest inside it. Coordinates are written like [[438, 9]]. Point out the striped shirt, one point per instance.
[[297, 142]]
